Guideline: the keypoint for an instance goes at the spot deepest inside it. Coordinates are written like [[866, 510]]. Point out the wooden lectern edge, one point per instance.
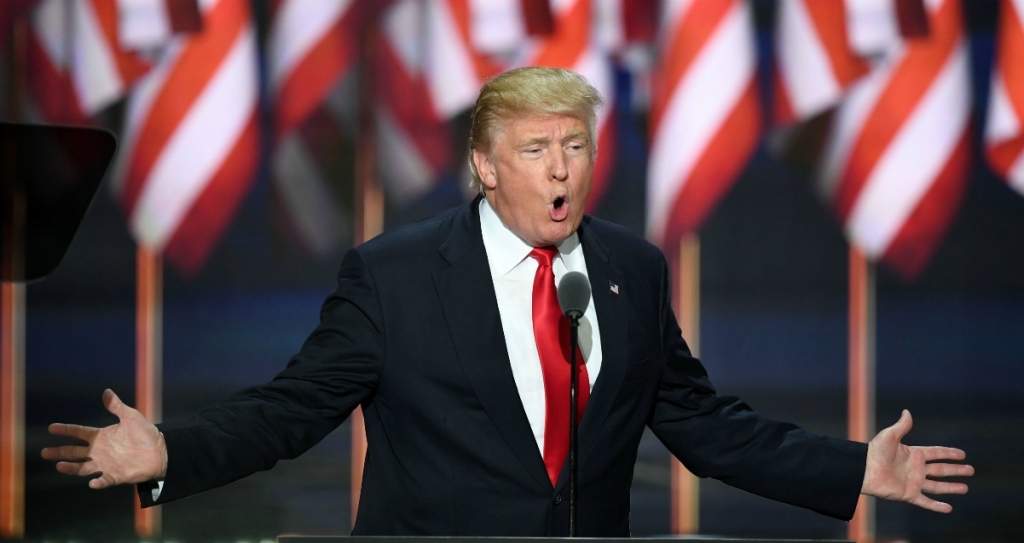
[[437, 539]]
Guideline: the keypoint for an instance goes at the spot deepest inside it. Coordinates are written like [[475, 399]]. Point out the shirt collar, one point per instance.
[[505, 250]]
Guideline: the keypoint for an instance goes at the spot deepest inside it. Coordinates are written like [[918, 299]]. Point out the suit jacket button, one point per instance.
[[558, 499]]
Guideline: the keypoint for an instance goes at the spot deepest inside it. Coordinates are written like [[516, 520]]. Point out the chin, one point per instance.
[[559, 235]]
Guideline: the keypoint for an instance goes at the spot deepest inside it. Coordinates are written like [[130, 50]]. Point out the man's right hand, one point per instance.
[[131, 451]]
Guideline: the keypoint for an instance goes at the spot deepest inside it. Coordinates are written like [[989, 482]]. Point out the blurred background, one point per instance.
[[258, 140]]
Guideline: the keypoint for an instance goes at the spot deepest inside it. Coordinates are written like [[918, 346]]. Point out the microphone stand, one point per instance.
[[573, 297], [574, 323]]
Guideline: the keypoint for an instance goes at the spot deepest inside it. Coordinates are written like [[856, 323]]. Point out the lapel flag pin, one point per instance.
[[613, 288]]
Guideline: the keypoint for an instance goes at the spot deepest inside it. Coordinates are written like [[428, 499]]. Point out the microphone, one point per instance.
[[574, 295], [573, 298]]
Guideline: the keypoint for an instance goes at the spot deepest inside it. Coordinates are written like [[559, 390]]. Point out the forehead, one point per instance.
[[515, 128]]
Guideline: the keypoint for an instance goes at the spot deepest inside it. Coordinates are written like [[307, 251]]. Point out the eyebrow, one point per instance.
[[530, 142], [575, 134]]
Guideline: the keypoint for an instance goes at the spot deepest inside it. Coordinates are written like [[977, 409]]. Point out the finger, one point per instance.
[[942, 487], [925, 502], [82, 469], [85, 433], [72, 453], [942, 453], [949, 470]]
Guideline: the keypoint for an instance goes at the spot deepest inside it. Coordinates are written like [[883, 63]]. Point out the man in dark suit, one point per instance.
[[438, 331]]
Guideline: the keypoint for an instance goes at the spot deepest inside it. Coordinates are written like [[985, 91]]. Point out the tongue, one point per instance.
[[559, 212]]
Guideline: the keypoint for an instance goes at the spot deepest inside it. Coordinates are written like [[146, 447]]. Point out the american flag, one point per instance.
[[705, 114], [312, 47], [894, 164], [190, 144], [1004, 129], [75, 63]]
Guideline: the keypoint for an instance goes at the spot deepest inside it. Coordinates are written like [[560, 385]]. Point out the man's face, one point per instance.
[[538, 175]]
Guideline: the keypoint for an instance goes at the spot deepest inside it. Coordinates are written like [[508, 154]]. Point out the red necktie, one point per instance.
[[551, 329]]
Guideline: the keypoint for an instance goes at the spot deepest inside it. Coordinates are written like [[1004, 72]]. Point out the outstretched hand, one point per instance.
[[900, 472], [131, 451]]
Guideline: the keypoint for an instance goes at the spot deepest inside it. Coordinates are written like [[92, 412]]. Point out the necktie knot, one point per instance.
[[544, 255]]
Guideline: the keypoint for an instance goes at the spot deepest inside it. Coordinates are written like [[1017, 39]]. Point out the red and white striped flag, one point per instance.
[[312, 182], [414, 140], [75, 64], [452, 66], [627, 31], [814, 61], [311, 47], [705, 114], [894, 166], [499, 27], [621, 24], [147, 25], [191, 139], [1004, 129]]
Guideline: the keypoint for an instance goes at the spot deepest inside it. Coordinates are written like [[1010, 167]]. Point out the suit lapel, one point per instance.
[[467, 297], [605, 280]]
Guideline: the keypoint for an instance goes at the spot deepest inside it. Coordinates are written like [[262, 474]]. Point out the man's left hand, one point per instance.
[[900, 472]]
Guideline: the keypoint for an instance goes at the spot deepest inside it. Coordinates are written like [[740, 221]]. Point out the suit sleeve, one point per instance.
[[721, 437], [337, 368]]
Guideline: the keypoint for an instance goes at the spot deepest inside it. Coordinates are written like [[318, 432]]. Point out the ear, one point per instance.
[[485, 168]]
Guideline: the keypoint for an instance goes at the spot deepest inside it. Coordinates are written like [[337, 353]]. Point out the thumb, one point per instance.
[[114, 404], [903, 426], [98, 483]]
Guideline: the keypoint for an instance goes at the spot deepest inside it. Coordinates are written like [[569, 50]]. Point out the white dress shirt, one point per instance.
[[512, 270]]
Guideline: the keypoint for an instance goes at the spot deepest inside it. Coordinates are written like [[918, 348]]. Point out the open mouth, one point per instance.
[[559, 209]]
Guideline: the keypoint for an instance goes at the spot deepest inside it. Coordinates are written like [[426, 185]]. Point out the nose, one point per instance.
[[558, 166]]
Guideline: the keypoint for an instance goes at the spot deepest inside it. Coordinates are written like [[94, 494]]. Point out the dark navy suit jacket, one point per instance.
[[413, 334]]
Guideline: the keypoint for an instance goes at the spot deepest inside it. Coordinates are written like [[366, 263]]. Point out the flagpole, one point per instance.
[[12, 370], [148, 361], [12, 318], [12, 412], [369, 218], [862, 377], [686, 487]]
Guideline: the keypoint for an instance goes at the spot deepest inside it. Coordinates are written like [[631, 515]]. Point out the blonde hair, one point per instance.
[[532, 90]]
